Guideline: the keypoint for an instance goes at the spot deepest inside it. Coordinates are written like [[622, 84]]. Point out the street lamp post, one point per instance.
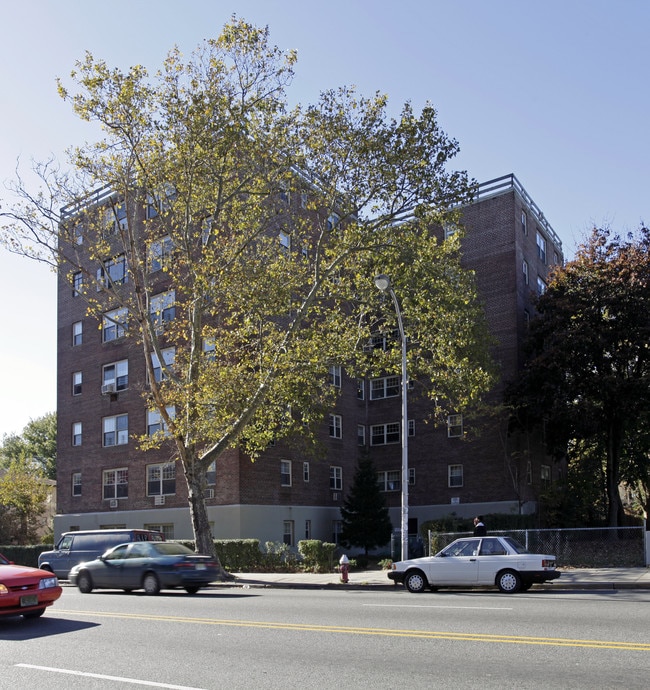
[[383, 283]]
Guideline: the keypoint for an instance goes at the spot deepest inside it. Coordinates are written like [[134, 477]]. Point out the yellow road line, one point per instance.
[[386, 632]]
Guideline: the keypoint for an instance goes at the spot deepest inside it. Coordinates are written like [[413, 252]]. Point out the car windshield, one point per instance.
[[3, 560], [166, 548]]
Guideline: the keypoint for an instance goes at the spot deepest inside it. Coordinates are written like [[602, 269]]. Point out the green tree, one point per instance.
[[264, 227], [366, 522], [588, 375], [37, 442], [23, 492]]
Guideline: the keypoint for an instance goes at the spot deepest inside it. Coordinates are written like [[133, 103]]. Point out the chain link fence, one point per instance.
[[597, 547]]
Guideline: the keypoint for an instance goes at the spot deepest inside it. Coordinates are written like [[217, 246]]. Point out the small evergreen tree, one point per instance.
[[365, 516]]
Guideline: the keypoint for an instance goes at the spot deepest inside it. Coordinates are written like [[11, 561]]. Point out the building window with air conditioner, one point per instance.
[[161, 479], [115, 483], [115, 377]]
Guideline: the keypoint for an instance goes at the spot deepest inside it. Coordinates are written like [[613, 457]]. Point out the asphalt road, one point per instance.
[[279, 638]]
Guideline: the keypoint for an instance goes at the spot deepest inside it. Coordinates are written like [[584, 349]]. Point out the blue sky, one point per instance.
[[554, 91]]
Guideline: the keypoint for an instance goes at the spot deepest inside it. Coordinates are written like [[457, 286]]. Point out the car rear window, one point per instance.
[[519, 548], [165, 548]]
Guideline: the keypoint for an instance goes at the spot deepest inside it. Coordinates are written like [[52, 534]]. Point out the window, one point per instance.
[[336, 478], [114, 219], [77, 333], [545, 475], [335, 376], [361, 389], [76, 434], [411, 427], [524, 269], [211, 474], [160, 252], [382, 434], [155, 422], [336, 426], [526, 318], [455, 476], [166, 529], [390, 481], [541, 285], [333, 220], [411, 476], [161, 479], [113, 273], [78, 234], [361, 435], [307, 529], [208, 345], [77, 378], [285, 472], [455, 426], [162, 309], [285, 242], [115, 483], [116, 376], [541, 247], [159, 201], [450, 229], [115, 430], [287, 532], [387, 387], [168, 354], [529, 472], [76, 484], [524, 223], [337, 529], [77, 283], [305, 471], [114, 324]]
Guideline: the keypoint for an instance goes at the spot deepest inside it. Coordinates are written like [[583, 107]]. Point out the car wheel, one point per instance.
[[509, 581], [415, 581], [34, 614], [151, 584], [193, 589], [85, 583]]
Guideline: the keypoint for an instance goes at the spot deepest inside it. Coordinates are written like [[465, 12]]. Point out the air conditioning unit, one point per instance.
[[209, 493], [108, 388], [113, 503], [336, 496], [159, 501]]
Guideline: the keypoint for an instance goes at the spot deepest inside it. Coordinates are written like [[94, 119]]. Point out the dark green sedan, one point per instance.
[[151, 566]]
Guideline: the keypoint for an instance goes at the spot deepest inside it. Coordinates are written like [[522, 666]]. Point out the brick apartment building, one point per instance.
[[104, 480]]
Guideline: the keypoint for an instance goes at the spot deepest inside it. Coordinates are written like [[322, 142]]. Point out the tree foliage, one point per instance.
[[365, 518], [264, 227], [588, 374], [37, 442], [23, 492]]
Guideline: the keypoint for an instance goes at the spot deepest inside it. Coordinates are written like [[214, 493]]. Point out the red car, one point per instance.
[[26, 591]]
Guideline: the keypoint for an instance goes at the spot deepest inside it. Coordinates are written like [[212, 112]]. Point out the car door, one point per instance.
[[458, 566], [493, 557], [107, 572], [137, 558]]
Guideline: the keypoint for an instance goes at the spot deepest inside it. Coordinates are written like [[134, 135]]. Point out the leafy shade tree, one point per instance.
[[23, 492], [588, 375], [236, 242], [366, 522], [37, 442]]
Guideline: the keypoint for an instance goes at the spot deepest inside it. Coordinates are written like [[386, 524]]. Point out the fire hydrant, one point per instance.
[[344, 568]]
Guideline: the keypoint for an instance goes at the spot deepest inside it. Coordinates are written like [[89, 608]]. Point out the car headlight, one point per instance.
[[48, 582], [3, 590]]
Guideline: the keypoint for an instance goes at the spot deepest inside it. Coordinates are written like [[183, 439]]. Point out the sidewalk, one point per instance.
[[572, 578]]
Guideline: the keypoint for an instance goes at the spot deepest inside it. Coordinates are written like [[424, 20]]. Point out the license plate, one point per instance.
[[200, 566], [29, 600]]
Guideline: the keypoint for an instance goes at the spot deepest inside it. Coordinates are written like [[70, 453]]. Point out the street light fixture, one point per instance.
[[383, 283]]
